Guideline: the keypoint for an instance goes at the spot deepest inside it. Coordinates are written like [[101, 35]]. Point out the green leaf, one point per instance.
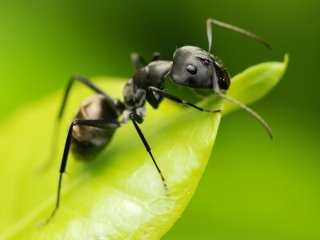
[[118, 195], [256, 82]]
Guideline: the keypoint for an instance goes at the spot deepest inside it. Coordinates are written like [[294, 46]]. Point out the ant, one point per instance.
[[100, 115]]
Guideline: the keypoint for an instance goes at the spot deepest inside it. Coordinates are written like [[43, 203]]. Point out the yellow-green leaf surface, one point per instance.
[[119, 194]]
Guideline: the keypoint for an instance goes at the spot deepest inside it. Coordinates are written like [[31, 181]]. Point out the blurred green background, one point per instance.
[[253, 188]]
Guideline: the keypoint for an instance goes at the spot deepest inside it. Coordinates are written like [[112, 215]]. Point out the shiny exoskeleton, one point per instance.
[[100, 115]]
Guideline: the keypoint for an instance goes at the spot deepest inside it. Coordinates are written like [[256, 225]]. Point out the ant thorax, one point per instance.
[[134, 101]]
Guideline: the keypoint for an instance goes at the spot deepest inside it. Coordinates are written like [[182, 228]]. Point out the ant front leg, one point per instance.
[[93, 123], [173, 98]]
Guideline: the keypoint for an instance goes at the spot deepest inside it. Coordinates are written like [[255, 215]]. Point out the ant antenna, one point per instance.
[[247, 109], [211, 22]]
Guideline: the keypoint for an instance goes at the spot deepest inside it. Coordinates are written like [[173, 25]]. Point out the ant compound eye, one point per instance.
[[191, 69]]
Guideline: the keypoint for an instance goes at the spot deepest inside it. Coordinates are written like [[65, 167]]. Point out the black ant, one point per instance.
[[100, 115]]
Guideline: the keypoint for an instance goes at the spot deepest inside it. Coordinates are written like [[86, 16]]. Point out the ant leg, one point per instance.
[[134, 118], [211, 22], [87, 83], [156, 56], [179, 100], [55, 135], [93, 123], [137, 60]]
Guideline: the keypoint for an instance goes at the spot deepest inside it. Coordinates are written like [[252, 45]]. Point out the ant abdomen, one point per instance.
[[89, 139]]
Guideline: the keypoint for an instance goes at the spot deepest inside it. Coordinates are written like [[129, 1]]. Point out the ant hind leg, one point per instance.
[[56, 129], [93, 123]]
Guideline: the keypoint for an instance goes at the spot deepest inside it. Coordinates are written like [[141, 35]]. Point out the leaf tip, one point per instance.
[[284, 65], [286, 60]]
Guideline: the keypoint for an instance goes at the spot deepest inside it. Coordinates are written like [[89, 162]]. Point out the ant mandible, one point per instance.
[[100, 115]]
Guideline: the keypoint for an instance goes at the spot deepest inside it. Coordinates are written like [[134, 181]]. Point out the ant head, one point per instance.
[[197, 68], [223, 77]]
